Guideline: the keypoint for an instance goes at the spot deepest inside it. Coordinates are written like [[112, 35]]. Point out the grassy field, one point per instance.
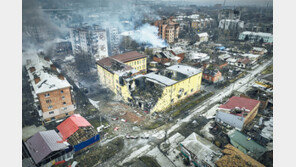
[[190, 105], [98, 154], [149, 162], [268, 70]]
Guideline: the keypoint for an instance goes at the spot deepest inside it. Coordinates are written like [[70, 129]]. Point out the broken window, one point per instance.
[[62, 91], [48, 101], [46, 95], [50, 107], [121, 82], [64, 103], [51, 112]]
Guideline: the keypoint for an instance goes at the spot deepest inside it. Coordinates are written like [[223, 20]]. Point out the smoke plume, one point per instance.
[[146, 34]]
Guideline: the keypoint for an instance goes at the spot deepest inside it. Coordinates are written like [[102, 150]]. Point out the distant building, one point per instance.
[[80, 39], [234, 157], [51, 90], [212, 75], [199, 151], [168, 29], [229, 14], [221, 64], [246, 145], [47, 149], [114, 41], [99, 44], [198, 57], [76, 130], [237, 111], [91, 40], [167, 56], [203, 37], [258, 51], [243, 62], [227, 24], [64, 47], [256, 36], [199, 24]]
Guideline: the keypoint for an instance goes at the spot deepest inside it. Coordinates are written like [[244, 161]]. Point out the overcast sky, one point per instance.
[[229, 2]]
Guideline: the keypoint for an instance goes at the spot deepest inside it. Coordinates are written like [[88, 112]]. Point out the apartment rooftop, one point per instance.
[[184, 69], [128, 56], [159, 79], [115, 66], [71, 125], [263, 34], [247, 143], [204, 34], [202, 148], [166, 77], [44, 76], [43, 143], [240, 102], [234, 157]]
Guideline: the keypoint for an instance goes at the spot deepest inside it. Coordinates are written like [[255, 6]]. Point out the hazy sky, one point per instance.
[[229, 2]]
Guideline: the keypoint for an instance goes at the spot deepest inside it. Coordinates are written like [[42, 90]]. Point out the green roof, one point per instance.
[[250, 144]]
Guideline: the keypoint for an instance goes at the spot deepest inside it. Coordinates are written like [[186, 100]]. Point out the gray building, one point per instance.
[[256, 36], [47, 148]]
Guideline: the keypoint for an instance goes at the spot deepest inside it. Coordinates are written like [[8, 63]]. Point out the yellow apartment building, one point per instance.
[[152, 92]]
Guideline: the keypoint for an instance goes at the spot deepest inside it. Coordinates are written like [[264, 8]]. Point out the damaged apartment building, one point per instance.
[[152, 92], [51, 91], [168, 29], [92, 40]]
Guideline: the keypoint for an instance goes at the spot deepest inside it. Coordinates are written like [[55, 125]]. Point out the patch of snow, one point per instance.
[[136, 153], [161, 159], [94, 103], [211, 112]]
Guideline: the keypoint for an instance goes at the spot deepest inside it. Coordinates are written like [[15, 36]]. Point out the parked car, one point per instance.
[[114, 119], [131, 137], [145, 136]]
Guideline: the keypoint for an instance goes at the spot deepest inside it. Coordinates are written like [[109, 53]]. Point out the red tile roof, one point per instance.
[[71, 125], [240, 102], [128, 56]]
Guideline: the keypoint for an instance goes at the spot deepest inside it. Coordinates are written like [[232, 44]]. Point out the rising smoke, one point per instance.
[[147, 35], [40, 31]]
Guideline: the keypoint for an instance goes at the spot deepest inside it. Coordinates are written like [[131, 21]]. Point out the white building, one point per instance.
[[237, 111], [100, 46], [198, 57], [114, 41], [203, 37], [227, 24], [256, 36], [200, 151], [79, 39], [46, 79]]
